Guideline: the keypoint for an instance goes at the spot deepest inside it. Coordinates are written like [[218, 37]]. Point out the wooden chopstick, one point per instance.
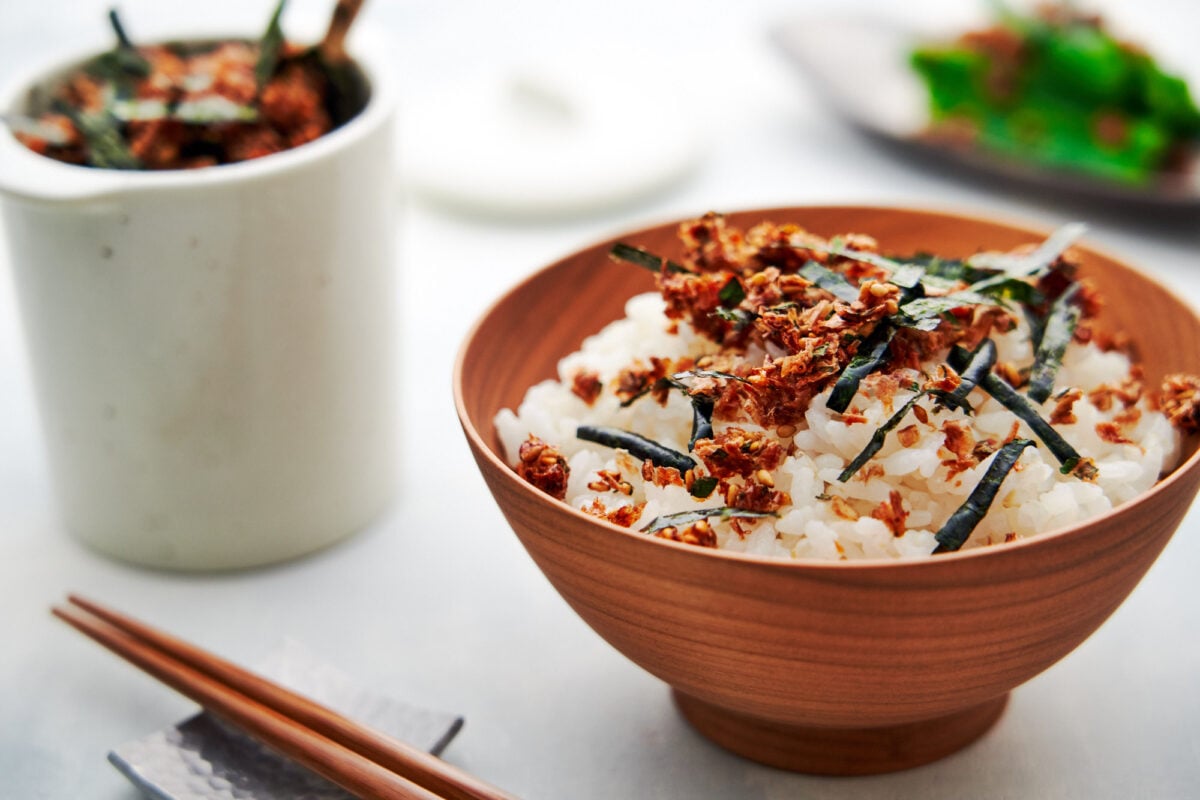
[[365, 762]]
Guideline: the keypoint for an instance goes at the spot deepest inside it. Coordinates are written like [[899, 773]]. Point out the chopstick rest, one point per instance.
[[202, 758], [362, 761]]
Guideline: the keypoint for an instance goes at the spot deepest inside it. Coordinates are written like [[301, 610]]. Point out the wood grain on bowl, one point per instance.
[[830, 667]]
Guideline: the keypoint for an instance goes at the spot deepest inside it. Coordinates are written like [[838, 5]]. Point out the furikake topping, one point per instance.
[[835, 316], [188, 105]]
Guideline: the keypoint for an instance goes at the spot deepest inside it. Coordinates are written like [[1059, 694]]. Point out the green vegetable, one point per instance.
[[1071, 97], [966, 517]]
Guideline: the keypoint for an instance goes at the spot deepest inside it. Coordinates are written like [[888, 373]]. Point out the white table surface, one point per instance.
[[437, 603]]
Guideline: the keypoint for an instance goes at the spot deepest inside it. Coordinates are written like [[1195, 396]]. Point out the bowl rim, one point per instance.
[[1129, 507]]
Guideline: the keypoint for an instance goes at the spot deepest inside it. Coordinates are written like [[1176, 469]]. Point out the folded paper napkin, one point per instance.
[[202, 758]]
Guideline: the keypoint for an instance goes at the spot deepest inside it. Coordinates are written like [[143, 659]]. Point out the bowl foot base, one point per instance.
[[840, 751]]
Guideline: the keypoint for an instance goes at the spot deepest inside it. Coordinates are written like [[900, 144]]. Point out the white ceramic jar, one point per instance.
[[213, 349]]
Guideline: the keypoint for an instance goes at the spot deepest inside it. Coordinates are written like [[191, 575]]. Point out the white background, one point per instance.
[[437, 604]]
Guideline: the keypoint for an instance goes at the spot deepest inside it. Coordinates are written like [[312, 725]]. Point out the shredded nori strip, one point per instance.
[[869, 359], [702, 411], [962, 522], [689, 517], [950, 270], [907, 276], [1011, 399], [702, 404], [1056, 335], [833, 282], [972, 367], [121, 65], [643, 258], [1036, 323], [106, 147], [1037, 262], [838, 248], [131, 62], [878, 438], [269, 48], [926, 313], [637, 445]]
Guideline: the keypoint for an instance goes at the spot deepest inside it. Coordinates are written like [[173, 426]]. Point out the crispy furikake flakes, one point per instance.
[[789, 315], [189, 105]]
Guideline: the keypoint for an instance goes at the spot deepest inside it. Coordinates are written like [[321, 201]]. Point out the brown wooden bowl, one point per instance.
[[826, 667]]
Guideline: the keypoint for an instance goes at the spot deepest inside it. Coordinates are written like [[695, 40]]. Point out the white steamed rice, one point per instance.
[[1035, 497]]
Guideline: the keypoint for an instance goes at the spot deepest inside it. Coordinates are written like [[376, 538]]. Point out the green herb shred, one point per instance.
[[703, 486], [732, 293], [690, 517]]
